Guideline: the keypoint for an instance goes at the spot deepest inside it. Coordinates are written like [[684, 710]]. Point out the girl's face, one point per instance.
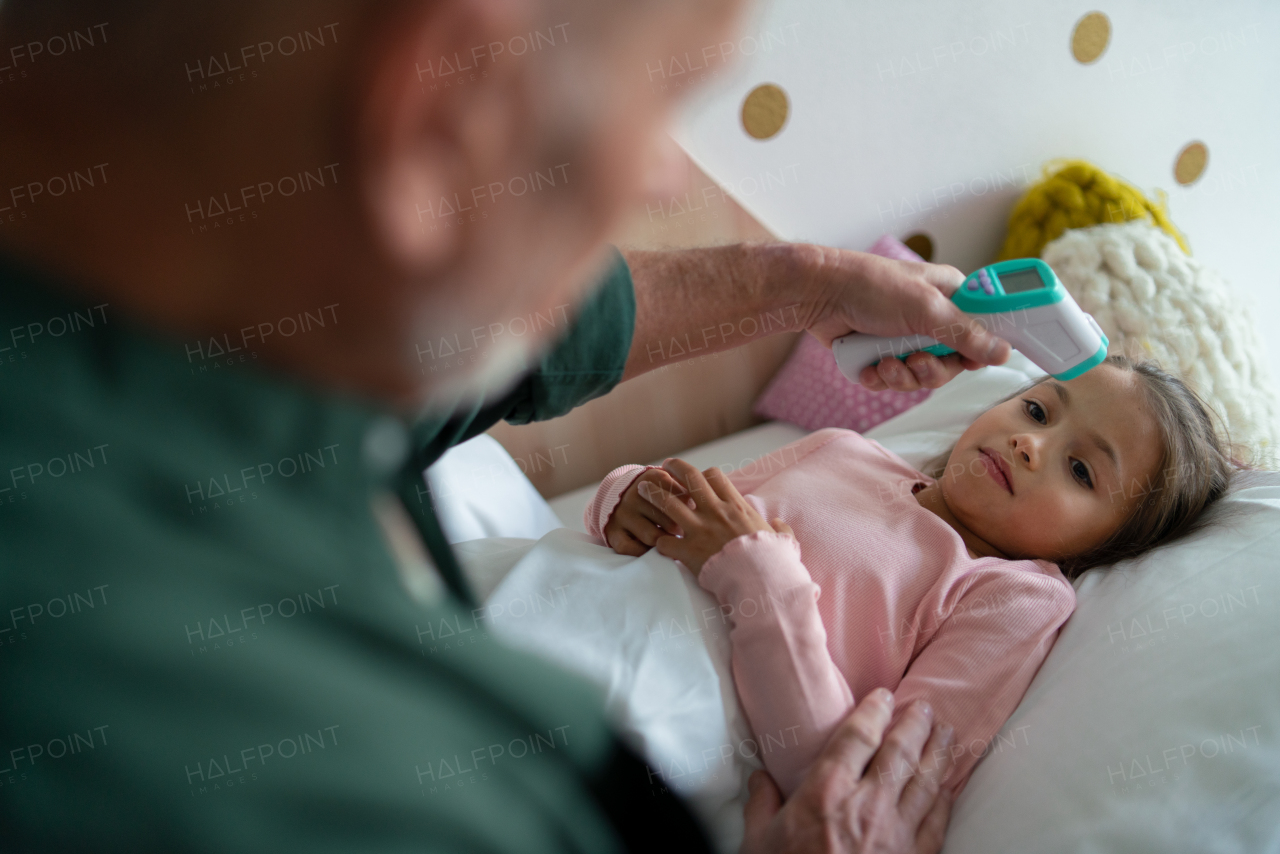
[[1054, 471]]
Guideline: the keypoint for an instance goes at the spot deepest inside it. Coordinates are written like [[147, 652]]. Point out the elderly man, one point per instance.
[[228, 234]]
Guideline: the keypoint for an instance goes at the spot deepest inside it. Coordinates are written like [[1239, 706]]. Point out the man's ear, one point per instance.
[[416, 142]]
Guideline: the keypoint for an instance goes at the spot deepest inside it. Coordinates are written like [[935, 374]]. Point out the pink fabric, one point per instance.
[[886, 595], [810, 391], [607, 496]]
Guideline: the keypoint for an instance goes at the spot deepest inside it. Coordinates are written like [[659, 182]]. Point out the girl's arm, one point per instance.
[[978, 664], [792, 692], [746, 477], [973, 671], [607, 496]]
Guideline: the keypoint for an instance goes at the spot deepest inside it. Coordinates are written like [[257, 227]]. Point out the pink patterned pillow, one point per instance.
[[810, 391]]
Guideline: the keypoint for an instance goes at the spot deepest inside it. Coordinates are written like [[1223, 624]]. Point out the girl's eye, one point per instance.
[[1036, 411], [1081, 471]]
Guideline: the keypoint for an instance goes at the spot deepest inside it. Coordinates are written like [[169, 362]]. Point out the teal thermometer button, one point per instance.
[[1020, 300]]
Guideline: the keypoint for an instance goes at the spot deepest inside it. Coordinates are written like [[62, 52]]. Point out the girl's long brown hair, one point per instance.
[[1195, 470]]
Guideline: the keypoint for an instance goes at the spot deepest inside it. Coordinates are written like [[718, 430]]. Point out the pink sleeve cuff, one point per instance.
[[607, 496], [763, 562]]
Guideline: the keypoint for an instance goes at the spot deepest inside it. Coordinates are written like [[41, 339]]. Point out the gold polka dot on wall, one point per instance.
[[1191, 162], [1090, 37], [921, 244], [764, 111]]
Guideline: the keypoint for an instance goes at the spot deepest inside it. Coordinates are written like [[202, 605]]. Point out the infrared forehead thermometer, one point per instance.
[[1023, 302]]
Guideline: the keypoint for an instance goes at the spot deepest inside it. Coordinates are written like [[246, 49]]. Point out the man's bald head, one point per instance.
[[430, 167]]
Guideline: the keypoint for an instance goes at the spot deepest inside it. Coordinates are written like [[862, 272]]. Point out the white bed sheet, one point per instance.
[[656, 644], [479, 491], [641, 628]]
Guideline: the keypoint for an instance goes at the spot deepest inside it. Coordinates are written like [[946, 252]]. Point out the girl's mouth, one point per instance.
[[996, 469]]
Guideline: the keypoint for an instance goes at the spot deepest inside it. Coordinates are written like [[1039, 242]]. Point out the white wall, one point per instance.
[[933, 115]]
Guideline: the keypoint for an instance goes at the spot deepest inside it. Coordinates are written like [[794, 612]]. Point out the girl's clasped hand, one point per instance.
[[688, 515]]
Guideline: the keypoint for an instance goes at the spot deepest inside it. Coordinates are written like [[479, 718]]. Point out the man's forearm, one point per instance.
[[692, 302]]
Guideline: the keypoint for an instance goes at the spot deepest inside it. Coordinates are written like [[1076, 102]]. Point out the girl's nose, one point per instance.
[[1026, 450]]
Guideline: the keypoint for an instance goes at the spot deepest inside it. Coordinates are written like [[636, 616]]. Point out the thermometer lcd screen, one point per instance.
[[1020, 281]]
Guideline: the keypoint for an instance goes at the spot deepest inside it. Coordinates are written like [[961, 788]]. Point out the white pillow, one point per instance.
[[1152, 726], [479, 491], [1153, 723], [1154, 301]]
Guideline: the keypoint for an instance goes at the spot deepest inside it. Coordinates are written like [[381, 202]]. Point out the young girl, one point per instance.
[[949, 586]]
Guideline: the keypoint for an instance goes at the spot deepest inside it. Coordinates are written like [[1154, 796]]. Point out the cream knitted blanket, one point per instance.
[[1154, 302]]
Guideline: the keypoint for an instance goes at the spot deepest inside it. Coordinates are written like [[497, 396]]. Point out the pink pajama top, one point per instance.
[[875, 590]]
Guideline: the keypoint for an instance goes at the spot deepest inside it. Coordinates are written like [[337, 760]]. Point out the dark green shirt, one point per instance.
[[206, 643]]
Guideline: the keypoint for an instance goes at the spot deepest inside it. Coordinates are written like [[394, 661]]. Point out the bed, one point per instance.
[[1152, 725]]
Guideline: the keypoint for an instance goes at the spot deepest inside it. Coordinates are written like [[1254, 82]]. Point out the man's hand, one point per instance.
[[716, 298], [860, 292], [718, 514], [861, 796]]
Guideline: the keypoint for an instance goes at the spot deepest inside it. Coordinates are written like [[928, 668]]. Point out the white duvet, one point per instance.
[[654, 640]]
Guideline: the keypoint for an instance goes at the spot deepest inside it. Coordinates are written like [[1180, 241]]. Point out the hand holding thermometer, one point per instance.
[[1021, 301]]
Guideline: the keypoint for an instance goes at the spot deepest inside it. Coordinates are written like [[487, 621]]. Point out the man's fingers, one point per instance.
[[854, 742], [934, 827], [951, 366], [932, 371], [870, 379], [919, 370], [899, 757], [920, 793], [763, 804], [897, 376], [963, 333], [944, 277]]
